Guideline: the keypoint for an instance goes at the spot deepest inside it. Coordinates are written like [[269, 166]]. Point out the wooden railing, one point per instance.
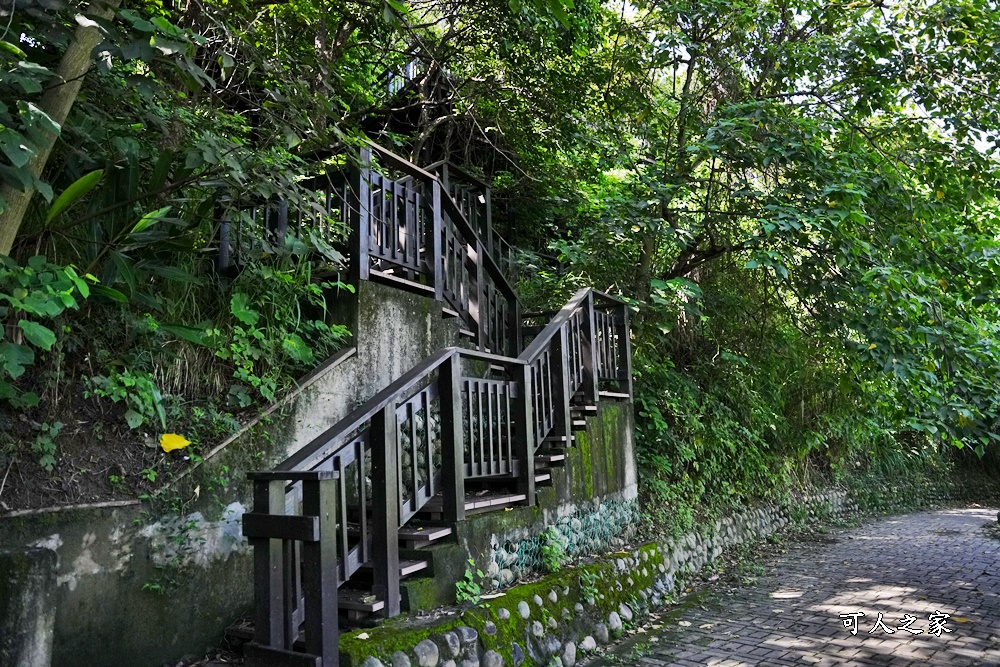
[[338, 503], [403, 228]]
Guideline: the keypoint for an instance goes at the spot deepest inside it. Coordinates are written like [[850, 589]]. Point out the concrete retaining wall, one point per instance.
[[145, 583]]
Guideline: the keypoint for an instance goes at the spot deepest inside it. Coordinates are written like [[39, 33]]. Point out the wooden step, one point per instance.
[[543, 478], [448, 312], [476, 504], [406, 567], [416, 537], [559, 438], [579, 424], [355, 600], [614, 395], [550, 459], [591, 409]]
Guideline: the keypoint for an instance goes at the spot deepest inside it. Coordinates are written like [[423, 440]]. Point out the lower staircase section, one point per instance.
[[336, 527]]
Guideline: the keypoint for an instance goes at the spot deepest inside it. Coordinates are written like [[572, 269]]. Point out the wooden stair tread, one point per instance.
[[359, 601], [549, 459], [406, 567], [436, 504], [559, 438], [542, 477], [422, 534], [613, 394], [403, 283]]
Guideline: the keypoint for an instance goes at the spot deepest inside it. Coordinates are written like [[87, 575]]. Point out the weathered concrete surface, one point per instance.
[[139, 586], [918, 565], [27, 611], [599, 467]]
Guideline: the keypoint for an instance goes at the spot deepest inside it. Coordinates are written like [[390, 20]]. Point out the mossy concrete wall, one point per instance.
[[599, 473], [145, 583], [562, 618], [27, 612]]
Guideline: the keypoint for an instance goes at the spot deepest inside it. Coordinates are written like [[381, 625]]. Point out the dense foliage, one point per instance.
[[798, 201]]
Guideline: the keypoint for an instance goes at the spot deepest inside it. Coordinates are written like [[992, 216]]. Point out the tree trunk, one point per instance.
[[57, 101]]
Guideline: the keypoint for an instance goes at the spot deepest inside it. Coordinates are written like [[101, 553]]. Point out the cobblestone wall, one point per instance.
[[564, 616]]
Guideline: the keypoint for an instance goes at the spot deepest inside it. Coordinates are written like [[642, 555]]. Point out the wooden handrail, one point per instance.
[[542, 340], [327, 443], [402, 164]]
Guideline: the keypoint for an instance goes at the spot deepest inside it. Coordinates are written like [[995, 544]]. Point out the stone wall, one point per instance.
[[564, 616], [145, 583]]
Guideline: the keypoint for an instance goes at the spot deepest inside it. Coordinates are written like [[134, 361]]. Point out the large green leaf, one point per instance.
[[14, 357], [240, 306], [37, 334], [73, 193]]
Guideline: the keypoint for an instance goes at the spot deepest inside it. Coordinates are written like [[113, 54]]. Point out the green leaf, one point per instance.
[[109, 293], [191, 334], [297, 349], [150, 219], [11, 48], [14, 357], [73, 193], [133, 418], [37, 334], [240, 306]]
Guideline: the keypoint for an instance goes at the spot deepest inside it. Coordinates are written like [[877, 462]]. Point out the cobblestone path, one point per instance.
[[918, 565]]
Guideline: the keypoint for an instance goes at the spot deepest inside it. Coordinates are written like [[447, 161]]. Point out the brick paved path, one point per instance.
[[916, 564]]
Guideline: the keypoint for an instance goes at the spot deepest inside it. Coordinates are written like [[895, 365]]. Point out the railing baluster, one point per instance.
[[489, 427], [589, 351]]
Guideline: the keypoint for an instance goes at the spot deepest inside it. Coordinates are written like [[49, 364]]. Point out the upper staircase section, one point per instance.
[[407, 228]]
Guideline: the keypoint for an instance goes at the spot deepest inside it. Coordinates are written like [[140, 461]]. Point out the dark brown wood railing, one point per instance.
[[404, 229], [337, 505]]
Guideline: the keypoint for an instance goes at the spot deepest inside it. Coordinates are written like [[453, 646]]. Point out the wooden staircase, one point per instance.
[[339, 524]]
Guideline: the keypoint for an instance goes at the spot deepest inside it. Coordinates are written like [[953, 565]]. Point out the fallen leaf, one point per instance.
[[684, 624], [364, 635], [704, 626], [171, 441], [960, 619]]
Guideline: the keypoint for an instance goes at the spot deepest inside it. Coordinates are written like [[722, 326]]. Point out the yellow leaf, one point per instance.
[[171, 441], [872, 346], [940, 195], [960, 619]]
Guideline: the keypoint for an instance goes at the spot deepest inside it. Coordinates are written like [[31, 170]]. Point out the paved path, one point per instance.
[[916, 565]]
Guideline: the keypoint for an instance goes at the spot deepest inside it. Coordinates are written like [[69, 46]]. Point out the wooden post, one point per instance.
[[515, 336], [437, 266], [385, 508], [524, 422], [223, 261], [359, 215], [591, 383], [625, 368], [268, 573], [564, 424], [490, 240], [481, 315], [452, 438], [319, 572]]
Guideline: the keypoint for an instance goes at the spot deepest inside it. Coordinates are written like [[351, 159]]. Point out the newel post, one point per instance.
[[268, 573], [591, 383], [524, 423], [625, 349], [385, 508], [359, 216], [437, 261], [319, 572], [452, 440]]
